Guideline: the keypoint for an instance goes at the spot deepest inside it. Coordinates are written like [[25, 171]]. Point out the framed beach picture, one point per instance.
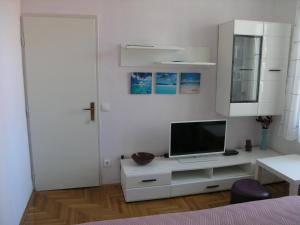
[[141, 83], [166, 83], [190, 83]]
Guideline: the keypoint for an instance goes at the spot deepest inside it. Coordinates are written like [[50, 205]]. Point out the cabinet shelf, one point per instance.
[[192, 176], [206, 175], [229, 172]]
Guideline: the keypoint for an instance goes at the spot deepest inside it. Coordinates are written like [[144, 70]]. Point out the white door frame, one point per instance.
[[98, 85]]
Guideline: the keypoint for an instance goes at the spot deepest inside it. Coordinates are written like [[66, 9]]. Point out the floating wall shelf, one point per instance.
[[142, 56], [154, 47], [188, 63]]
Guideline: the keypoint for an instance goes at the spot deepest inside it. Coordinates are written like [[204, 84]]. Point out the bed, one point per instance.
[[281, 211]]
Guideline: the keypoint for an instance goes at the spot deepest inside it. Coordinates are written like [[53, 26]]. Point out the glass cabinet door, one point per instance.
[[246, 68]]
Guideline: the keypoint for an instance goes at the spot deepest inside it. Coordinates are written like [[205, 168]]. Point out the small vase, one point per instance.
[[248, 146], [264, 139]]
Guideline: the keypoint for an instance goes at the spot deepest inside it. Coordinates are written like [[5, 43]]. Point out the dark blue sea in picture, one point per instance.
[[166, 83], [141, 83]]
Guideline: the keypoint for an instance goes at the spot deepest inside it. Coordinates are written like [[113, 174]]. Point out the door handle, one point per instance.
[[150, 180], [213, 186], [246, 69], [92, 110]]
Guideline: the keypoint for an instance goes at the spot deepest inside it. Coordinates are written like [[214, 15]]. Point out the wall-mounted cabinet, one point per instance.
[[252, 68]]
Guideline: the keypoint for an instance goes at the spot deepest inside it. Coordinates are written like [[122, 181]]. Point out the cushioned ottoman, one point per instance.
[[247, 190]]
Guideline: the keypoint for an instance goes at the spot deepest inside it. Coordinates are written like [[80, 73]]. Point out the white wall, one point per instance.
[[15, 174], [140, 123]]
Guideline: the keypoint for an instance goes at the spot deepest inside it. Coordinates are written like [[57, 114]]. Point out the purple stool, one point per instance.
[[247, 190]]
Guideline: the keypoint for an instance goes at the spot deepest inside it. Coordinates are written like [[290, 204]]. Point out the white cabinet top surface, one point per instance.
[[163, 165]]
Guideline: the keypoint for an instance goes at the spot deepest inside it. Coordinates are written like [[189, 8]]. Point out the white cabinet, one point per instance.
[[252, 68], [165, 178]]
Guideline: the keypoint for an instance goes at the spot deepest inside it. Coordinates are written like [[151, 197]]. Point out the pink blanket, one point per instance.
[[281, 211]]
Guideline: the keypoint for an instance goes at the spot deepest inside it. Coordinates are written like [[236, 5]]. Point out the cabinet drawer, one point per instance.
[[197, 188], [147, 193], [225, 184], [148, 180], [187, 189]]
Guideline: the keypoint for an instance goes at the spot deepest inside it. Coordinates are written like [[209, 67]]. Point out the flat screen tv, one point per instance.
[[196, 138]]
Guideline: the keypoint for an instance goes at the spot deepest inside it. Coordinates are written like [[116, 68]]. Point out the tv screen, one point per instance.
[[196, 138]]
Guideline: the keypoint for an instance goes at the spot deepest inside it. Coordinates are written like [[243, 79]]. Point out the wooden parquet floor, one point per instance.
[[77, 206]]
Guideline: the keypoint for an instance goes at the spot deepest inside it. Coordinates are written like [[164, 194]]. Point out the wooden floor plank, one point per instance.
[[65, 207]]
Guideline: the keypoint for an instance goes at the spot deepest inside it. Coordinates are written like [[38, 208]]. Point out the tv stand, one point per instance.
[[165, 178], [195, 159]]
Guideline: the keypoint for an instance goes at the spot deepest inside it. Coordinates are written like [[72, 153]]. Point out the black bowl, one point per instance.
[[142, 158]]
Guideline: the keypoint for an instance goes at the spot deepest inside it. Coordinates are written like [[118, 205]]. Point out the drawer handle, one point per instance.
[[148, 181], [246, 69], [274, 70], [213, 186]]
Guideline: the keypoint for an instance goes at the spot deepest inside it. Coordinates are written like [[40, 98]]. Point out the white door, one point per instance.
[[60, 59]]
